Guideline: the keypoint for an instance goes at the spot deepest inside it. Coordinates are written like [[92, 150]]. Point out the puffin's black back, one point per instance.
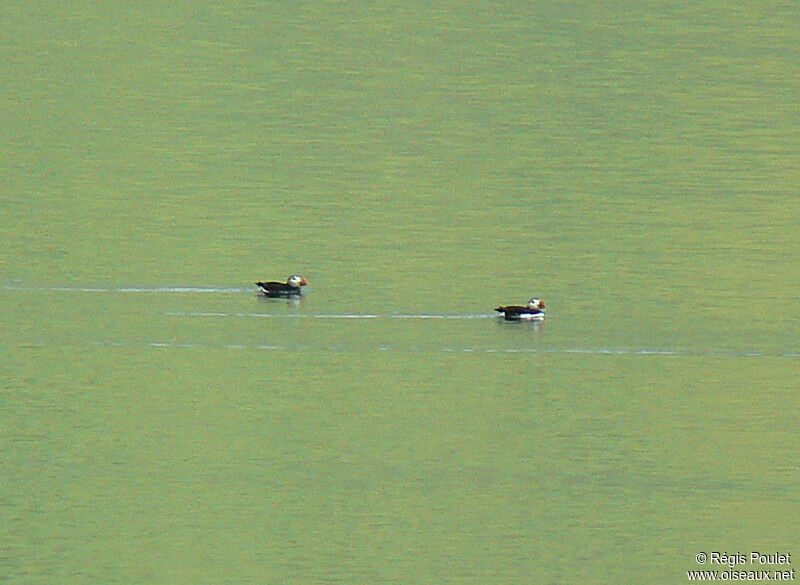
[[512, 312], [277, 289], [512, 309]]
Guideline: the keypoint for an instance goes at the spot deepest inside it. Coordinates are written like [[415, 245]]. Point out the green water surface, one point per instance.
[[633, 164]]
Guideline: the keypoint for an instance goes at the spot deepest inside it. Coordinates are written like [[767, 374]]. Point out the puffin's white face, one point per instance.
[[296, 281], [536, 304]]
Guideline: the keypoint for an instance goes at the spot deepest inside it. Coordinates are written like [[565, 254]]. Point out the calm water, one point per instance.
[[635, 165]]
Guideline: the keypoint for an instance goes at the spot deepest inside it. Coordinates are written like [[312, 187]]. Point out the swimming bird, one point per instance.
[[534, 311], [290, 288]]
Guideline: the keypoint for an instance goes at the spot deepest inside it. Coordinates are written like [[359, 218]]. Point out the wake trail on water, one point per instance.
[[450, 349], [328, 315], [131, 289], [344, 316]]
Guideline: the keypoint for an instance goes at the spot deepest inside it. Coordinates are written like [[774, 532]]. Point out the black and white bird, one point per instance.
[[292, 287], [533, 311]]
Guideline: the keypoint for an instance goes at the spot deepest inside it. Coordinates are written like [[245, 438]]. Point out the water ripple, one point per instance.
[[329, 315], [474, 350], [130, 289]]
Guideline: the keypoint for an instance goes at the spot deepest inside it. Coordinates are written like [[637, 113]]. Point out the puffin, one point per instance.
[[290, 288], [534, 311]]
